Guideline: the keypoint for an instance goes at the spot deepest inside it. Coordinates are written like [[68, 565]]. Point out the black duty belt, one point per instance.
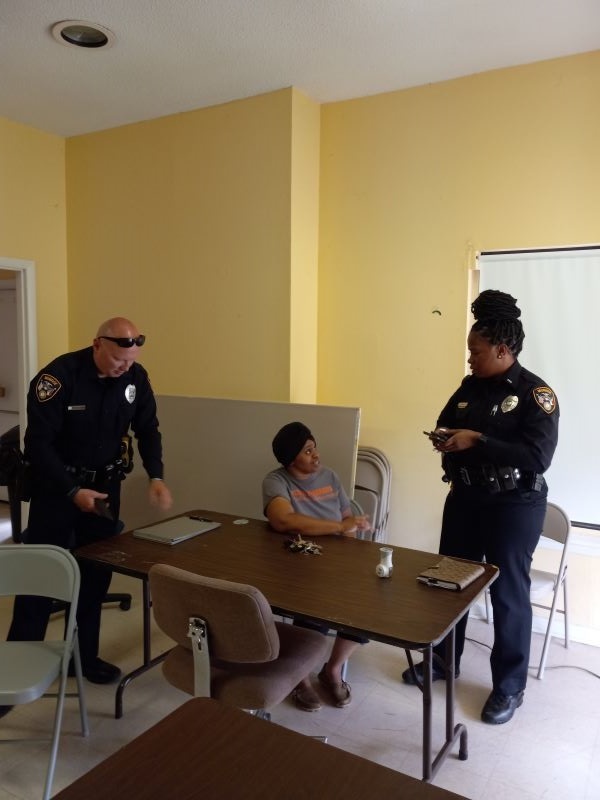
[[495, 478], [110, 471]]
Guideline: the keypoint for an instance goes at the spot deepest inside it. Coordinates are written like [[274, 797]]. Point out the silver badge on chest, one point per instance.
[[509, 403], [130, 393]]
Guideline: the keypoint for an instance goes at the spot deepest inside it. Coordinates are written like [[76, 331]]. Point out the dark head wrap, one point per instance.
[[289, 441]]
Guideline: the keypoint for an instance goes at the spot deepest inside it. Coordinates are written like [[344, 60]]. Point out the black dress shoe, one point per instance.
[[437, 674], [499, 708], [98, 671], [4, 710]]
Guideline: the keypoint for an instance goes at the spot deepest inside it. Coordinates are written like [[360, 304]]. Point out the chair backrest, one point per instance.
[[557, 525], [373, 487], [241, 627], [38, 569]]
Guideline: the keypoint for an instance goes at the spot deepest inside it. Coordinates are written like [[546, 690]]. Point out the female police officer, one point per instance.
[[499, 432]]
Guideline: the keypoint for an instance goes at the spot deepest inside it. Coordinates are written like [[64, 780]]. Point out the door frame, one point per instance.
[[26, 328]]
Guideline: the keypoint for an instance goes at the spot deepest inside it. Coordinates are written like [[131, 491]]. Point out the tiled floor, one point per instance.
[[549, 750]]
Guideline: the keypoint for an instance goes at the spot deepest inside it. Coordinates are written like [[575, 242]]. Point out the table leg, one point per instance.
[[146, 603], [452, 732], [427, 713], [148, 661]]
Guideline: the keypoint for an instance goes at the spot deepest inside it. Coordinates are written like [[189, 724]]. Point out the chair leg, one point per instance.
[[542, 664], [488, 616], [548, 636], [85, 729], [567, 638], [60, 702], [124, 600]]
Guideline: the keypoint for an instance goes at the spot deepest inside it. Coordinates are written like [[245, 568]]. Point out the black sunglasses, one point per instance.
[[126, 341]]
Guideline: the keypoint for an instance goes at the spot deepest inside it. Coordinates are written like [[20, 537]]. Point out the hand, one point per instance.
[[363, 523], [85, 499], [160, 495], [351, 525], [458, 439]]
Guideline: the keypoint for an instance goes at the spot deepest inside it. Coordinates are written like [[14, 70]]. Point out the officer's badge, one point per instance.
[[509, 403], [130, 393], [46, 387], [545, 398]]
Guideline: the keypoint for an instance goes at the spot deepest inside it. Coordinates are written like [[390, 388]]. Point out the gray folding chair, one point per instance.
[[28, 669], [557, 526], [372, 488]]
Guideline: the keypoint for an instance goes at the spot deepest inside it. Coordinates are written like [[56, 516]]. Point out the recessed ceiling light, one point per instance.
[[75, 33]]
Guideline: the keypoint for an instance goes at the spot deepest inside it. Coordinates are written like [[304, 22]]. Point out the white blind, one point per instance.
[[558, 292]]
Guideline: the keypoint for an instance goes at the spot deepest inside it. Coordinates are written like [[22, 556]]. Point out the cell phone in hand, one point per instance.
[[436, 437], [102, 508]]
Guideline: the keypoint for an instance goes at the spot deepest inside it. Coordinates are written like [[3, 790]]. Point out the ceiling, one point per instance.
[[177, 55]]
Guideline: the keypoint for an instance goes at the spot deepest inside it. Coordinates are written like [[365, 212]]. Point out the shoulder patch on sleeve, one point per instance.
[[545, 398], [46, 387]]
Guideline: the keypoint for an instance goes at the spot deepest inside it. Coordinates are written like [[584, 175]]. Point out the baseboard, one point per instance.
[[577, 633]]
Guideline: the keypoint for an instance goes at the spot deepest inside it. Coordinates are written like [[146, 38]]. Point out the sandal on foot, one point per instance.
[[306, 698], [339, 690]]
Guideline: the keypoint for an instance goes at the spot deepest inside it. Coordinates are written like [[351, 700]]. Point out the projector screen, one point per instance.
[[558, 292]]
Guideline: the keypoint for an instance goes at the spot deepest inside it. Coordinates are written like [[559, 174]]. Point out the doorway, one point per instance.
[[20, 275]]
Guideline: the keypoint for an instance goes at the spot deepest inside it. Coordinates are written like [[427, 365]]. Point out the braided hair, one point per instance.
[[497, 319]]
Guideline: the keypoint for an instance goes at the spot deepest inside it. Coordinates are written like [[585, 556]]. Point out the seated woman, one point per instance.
[[304, 497]]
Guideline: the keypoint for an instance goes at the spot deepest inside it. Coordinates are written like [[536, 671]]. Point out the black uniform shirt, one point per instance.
[[75, 418], [517, 413]]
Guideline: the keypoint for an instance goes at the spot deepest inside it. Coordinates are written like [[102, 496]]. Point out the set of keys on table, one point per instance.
[[300, 545]]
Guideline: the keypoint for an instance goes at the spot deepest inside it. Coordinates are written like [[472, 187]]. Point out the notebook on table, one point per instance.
[[173, 531], [451, 574]]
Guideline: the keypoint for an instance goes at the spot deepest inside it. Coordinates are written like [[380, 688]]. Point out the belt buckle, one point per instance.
[[464, 475]]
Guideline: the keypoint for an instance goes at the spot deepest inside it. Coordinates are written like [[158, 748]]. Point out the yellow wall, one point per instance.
[[412, 183], [183, 224], [33, 223], [304, 257]]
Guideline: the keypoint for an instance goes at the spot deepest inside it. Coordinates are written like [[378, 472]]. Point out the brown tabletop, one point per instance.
[[338, 587], [207, 751]]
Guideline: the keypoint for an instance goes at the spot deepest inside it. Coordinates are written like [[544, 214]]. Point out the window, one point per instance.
[[558, 292]]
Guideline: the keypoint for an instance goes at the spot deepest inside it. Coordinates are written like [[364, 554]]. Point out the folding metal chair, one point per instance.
[[557, 526], [28, 669]]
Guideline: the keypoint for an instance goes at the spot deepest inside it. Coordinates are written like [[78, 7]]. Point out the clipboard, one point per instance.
[[450, 573]]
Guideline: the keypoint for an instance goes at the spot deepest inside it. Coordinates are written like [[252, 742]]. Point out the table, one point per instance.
[[338, 588], [208, 751]]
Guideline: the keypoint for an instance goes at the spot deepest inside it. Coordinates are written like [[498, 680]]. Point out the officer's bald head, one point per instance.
[[116, 347], [118, 326]]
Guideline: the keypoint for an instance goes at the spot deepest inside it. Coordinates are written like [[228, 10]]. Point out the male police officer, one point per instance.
[[79, 410]]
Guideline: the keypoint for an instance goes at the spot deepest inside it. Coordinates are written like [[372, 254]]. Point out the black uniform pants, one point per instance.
[[55, 519], [504, 529]]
